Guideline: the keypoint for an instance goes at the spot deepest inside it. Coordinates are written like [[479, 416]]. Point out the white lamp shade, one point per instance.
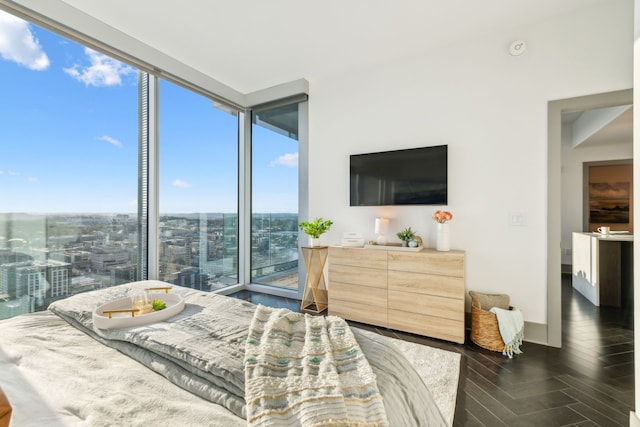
[[382, 225]]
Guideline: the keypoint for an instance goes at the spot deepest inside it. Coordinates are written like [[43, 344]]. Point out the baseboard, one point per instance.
[[536, 333], [634, 421]]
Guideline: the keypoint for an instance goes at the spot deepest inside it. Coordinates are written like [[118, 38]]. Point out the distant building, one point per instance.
[[104, 258], [190, 277], [124, 274], [8, 256], [80, 260], [40, 280], [83, 284]]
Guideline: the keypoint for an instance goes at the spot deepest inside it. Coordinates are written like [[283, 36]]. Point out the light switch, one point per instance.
[[517, 219]]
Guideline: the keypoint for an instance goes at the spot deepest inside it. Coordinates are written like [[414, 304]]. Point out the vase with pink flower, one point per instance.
[[442, 240]]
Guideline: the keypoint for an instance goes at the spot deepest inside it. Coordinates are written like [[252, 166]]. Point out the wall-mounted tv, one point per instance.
[[415, 176]]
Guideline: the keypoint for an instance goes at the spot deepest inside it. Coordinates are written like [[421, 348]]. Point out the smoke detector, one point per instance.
[[517, 48]]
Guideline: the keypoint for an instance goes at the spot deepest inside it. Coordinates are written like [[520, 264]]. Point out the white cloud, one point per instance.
[[289, 159], [18, 44], [102, 71], [111, 141], [180, 183], [32, 179]]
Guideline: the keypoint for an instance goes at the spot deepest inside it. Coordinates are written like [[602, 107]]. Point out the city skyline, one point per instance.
[[70, 137], [48, 257]]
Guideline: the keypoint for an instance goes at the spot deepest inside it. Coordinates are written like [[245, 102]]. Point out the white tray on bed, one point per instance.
[[174, 305]]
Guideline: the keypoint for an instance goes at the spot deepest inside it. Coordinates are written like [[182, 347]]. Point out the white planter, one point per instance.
[[313, 242], [442, 243]]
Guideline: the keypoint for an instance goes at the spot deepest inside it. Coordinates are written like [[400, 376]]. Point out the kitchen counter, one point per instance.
[[602, 267], [614, 236]]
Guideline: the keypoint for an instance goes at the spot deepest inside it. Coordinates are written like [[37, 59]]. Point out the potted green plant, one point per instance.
[[314, 229], [406, 235]]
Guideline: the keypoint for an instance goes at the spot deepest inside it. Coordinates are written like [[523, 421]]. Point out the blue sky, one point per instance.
[[69, 136]]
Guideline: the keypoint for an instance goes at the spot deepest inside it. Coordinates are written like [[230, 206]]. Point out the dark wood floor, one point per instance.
[[587, 382]]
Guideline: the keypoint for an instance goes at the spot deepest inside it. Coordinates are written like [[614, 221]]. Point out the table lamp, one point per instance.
[[382, 226]]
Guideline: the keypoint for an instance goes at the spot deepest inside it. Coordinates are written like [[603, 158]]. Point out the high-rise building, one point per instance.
[[40, 280]]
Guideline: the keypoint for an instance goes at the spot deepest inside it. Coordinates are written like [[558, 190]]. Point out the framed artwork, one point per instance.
[[609, 202]]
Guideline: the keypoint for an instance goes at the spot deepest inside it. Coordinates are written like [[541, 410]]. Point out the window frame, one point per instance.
[[67, 21]]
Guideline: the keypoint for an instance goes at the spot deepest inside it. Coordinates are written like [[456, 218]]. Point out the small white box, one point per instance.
[[353, 240]]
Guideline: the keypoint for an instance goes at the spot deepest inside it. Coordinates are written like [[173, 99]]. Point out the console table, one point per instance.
[[419, 292], [314, 297]]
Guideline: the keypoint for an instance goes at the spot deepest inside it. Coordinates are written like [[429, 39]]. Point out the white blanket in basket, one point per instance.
[[511, 325]]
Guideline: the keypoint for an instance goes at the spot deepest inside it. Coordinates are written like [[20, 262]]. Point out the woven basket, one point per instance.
[[484, 328]]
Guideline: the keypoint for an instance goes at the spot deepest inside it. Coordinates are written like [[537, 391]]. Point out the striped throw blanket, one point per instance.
[[303, 370]]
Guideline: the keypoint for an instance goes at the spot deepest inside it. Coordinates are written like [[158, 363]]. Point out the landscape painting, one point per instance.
[[609, 202]]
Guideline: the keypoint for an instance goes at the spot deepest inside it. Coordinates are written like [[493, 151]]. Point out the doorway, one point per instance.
[[556, 110]]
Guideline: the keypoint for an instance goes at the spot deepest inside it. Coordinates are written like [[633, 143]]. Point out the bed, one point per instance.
[[197, 368]]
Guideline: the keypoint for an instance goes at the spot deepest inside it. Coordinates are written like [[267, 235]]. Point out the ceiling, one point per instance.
[[250, 45], [617, 131]]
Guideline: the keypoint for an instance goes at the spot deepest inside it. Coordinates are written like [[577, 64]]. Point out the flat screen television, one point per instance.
[[415, 176]]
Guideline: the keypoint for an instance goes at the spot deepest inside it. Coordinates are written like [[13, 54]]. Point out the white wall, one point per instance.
[[491, 108], [572, 185]]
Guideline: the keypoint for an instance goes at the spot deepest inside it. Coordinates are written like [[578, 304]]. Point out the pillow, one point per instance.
[[488, 301], [5, 410]]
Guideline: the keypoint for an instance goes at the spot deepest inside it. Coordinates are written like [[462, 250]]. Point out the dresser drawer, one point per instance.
[[428, 261], [436, 327], [376, 297], [358, 312], [446, 308], [421, 292], [358, 257], [363, 276], [444, 286]]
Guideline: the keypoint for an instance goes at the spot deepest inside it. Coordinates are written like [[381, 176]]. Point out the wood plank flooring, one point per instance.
[[587, 382]]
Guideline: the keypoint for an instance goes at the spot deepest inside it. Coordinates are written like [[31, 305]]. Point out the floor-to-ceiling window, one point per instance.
[[74, 194], [68, 168], [274, 196], [198, 182]]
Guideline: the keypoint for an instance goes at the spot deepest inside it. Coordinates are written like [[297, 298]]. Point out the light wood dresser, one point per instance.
[[419, 292]]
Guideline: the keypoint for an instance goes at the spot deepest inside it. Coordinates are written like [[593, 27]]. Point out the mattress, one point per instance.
[[58, 370]]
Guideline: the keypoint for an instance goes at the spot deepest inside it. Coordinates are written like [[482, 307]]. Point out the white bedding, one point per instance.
[[85, 383], [57, 372]]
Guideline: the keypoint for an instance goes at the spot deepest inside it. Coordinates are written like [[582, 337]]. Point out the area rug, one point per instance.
[[439, 369]]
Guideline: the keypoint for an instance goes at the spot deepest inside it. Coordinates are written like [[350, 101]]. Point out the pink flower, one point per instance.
[[442, 216]]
